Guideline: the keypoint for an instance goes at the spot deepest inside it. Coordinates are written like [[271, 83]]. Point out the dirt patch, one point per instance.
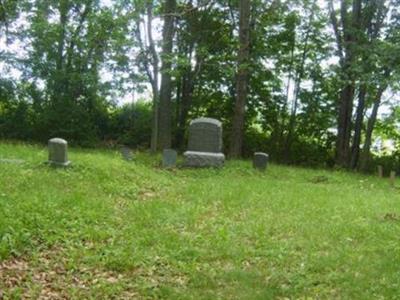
[[319, 179], [391, 217], [51, 275]]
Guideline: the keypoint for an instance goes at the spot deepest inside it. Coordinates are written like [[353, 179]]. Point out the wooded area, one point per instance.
[[301, 80]]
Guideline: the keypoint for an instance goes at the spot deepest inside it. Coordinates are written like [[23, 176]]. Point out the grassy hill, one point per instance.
[[108, 228]]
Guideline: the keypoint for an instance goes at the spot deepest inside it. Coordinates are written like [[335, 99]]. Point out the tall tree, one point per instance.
[[149, 58], [365, 158], [66, 57], [347, 31], [242, 79], [165, 114], [299, 74], [374, 14]]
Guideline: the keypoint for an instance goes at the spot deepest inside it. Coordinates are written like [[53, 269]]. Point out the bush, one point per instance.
[[131, 124]]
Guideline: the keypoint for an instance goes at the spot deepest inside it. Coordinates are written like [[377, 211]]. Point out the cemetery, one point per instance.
[[104, 227], [199, 150]]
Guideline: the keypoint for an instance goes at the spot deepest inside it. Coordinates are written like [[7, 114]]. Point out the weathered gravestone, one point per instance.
[[205, 144], [260, 160], [126, 153], [11, 161], [392, 177], [58, 152], [169, 158]]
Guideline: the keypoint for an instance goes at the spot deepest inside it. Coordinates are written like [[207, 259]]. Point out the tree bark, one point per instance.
[[187, 93], [365, 157], [236, 142], [188, 86], [345, 109], [344, 125], [277, 137], [373, 27], [298, 79], [63, 9], [165, 118], [368, 134], [355, 148], [154, 81]]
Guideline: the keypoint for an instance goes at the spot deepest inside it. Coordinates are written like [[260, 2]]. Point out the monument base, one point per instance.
[[203, 159]]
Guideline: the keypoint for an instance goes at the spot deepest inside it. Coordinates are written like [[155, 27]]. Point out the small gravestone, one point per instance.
[[126, 153], [260, 160], [58, 152], [11, 161], [380, 171], [392, 177], [169, 158], [205, 144]]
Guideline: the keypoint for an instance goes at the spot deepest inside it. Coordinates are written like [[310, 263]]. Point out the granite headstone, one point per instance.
[[260, 160], [205, 144], [126, 153], [169, 158], [58, 152]]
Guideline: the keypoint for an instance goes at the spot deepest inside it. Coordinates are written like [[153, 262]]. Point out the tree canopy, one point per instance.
[[310, 82]]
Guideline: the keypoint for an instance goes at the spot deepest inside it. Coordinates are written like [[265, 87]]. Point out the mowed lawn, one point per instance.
[[106, 228]]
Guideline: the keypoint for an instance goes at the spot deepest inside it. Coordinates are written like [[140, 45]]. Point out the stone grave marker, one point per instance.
[[205, 144], [392, 177], [11, 161], [260, 160], [126, 153], [58, 152], [380, 171], [169, 158]]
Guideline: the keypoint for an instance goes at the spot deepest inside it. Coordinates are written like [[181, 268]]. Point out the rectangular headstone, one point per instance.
[[205, 135], [58, 152], [169, 158], [126, 153], [205, 144], [380, 171], [260, 160], [392, 177]]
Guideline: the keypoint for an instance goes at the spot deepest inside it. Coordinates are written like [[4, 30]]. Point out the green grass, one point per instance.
[[107, 228]]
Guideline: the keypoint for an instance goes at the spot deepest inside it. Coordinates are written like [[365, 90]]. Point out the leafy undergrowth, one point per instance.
[[106, 228]]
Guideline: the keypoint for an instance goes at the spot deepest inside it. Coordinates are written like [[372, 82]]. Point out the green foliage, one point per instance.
[[16, 116], [71, 42], [131, 124], [81, 57]]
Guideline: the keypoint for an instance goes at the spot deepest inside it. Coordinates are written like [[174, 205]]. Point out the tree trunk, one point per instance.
[[355, 149], [187, 93], [365, 157], [165, 118], [277, 137], [350, 29], [63, 9], [298, 79], [154, 79], [188, 86], [236, 142], [178, 107], [368, 134], [344, 125]]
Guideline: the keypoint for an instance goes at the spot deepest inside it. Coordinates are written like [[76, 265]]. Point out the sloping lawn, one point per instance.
[[107, 228]]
